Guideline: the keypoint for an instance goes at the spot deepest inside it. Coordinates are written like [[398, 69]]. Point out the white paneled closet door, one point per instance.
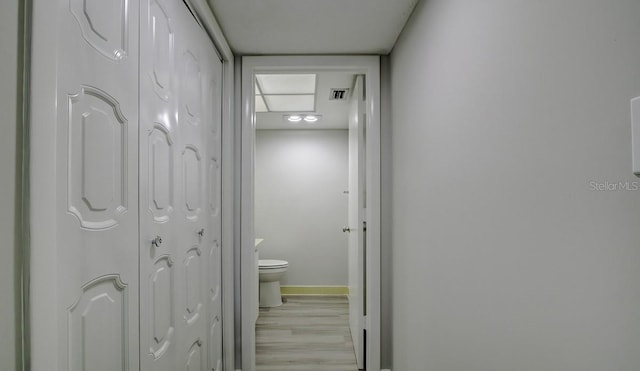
[[180, 191], [96, 186], [137, 156], [158, 158]]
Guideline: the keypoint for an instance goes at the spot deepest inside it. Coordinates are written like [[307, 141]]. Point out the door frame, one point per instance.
[[356, 239], [40, 251], [364, 65]]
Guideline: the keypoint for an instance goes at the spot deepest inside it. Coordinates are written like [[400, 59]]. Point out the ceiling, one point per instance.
[[275, 27], [333, 114], [258, 27]]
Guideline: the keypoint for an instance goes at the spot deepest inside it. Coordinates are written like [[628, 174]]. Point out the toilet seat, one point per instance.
[[272, 264]]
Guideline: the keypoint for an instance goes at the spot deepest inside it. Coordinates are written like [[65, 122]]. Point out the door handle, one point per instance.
[[346, 229], [156, 241], [201, 232]]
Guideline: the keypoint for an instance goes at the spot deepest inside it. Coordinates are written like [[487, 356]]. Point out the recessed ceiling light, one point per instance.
[[294, 118], [311, 118]]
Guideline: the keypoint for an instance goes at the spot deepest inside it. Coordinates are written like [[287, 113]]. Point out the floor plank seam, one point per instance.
[[305, 333]]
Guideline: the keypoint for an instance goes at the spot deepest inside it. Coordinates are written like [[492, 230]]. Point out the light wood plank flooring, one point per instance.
[[305, 333]]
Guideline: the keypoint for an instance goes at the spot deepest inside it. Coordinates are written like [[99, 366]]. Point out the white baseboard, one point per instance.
[[313, 290]]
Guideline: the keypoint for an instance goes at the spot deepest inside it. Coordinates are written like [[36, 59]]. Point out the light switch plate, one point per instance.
[[635, 134]]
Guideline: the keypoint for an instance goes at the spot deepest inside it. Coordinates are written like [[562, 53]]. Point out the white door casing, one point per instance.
[[369, 67], [357, 239], [180, 153]]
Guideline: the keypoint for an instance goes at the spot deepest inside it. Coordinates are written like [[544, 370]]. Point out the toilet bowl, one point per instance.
[[269, 274]]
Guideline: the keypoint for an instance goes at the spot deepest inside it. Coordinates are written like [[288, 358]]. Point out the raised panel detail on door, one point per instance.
[[193, 272], [85, 244], [213, 111], [162, 314], [192, 180], [195, 357], [180, 190], [160, 173], [162, 36], [97, 326], [214, 272], [215, 345], [213, 185], [103, 24], [97, 159], [190, 89]]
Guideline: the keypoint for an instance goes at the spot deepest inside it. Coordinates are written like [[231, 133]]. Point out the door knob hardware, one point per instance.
[[346, 229], [201, 232], [156, 241]]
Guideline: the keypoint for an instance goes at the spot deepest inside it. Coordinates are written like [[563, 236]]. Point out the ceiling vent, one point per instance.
[[339, 94]]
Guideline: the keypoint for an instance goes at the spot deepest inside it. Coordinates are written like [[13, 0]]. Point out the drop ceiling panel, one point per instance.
[[312, 26], [334, 114], [287, 84], [290, 103], [260, 105]]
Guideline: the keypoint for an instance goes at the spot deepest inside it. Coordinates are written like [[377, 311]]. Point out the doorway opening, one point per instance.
[[263, 107]]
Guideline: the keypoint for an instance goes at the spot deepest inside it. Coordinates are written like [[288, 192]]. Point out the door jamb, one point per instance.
[[370, 67], [42, 257]]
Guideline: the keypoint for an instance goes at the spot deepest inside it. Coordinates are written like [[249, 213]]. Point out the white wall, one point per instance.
[[503, 257], [9, 186], [300, 207]]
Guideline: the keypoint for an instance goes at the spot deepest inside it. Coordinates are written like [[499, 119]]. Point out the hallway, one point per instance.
[[305, 333], [509, 185]]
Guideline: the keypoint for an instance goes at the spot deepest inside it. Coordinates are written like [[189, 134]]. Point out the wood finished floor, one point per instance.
[[307, 333]]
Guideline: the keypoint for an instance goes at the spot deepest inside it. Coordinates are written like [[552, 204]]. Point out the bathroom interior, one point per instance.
[[301, 211]]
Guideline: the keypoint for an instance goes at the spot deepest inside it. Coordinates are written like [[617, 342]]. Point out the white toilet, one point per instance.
[[270, 271]]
